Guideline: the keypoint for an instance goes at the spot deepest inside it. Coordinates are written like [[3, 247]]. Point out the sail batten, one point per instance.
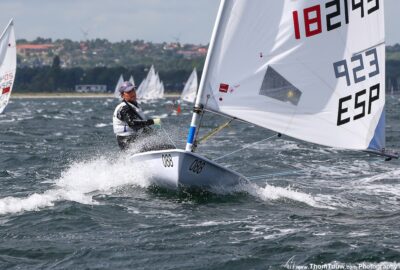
[[305, 68]]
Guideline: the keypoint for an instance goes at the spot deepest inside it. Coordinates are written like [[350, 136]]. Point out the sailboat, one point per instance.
[[159, 90], [117, 86], [190, 89], [300, 68], [141, 89], [151, 87], [131, 80], [8, 64]]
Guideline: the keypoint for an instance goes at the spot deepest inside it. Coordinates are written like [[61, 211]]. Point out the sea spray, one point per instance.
[[80, 182], [270, 193]]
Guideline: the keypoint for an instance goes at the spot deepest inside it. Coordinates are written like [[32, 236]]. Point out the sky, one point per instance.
[[187, 21]]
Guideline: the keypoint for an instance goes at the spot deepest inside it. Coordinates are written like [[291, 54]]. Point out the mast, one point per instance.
[[198, 105], [11, 22]]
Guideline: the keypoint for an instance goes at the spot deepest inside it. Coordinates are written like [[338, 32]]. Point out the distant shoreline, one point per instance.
[[72, 95]]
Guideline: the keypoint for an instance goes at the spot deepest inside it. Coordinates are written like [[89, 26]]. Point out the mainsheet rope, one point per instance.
[[166, 133], [247, 146]]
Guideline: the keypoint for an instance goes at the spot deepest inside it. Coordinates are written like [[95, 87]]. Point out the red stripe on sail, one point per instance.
[[6, 90]]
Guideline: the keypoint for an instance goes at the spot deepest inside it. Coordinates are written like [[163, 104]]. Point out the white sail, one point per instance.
[[310, 69], [162, 90], [159, 90], [152, 87], [8, 64], [141, 88], [146, 88], [190, 90], [119, 83], [131, 80]]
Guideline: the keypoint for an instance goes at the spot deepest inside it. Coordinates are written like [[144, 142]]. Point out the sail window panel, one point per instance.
[[277, 87]]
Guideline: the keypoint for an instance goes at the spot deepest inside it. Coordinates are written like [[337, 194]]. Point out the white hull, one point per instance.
[[177, 168]]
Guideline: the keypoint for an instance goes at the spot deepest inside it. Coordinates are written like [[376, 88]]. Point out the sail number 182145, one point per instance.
[[317, 19]]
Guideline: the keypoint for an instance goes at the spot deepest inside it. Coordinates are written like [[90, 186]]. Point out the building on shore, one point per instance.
[[91, 88]]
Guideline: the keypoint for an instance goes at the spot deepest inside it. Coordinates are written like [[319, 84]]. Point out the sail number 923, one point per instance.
[[354, 71]]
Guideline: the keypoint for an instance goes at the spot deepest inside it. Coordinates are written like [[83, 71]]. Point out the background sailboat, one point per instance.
[[131, 80], [159, 90], [190, 89], [142, 87], [151, 87], [8, 64], [117, 86]]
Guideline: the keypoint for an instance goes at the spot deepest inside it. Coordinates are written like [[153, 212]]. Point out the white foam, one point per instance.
[[392, 174], [79, 183], [270, 193], [101, 125], [212, 223], [7, 120]]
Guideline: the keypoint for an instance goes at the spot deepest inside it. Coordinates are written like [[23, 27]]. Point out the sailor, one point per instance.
[[129, 121]]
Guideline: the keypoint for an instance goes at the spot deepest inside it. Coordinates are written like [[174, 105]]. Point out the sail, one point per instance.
[[8, 64], [147, 87], [131, 80], [157, 87], [119, 83], [159, 90], [162, 90], [151, 86], [141, 88], [190, 90], [311, 69]]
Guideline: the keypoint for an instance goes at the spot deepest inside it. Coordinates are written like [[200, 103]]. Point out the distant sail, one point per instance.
[[159, 91], [141, 88], [313, 70], [119, 83], [151, 87], [144, 89], [131, 80], [8, 64], [190, 90]]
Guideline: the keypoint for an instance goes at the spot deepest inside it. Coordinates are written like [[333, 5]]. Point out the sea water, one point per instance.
[[69, 199]]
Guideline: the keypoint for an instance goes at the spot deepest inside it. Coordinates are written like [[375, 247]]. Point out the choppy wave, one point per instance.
[[79, 183], [270, 192], [85, 179], [101, 125]]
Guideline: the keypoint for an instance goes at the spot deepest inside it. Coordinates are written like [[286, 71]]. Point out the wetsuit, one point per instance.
[[129, 122]]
